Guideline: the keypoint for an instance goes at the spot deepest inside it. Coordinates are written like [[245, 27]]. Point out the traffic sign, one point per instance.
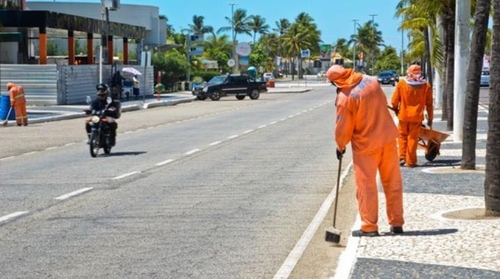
[[305, 53], [243, 49], [230, 62]]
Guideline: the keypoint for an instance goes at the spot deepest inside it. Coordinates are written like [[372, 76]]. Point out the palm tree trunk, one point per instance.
[[428, 65], [473, 80], [492, 178], [449, 21]]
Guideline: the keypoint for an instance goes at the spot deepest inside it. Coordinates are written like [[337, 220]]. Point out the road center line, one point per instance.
[[77, 192], [233, 137], [12, 215], [127, 174], [261, 126], [247, 131], [192, 152], [215, 143], [165, 162]]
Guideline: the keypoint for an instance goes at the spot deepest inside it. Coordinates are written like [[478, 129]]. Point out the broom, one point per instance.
[[332, 234], [7, 118]]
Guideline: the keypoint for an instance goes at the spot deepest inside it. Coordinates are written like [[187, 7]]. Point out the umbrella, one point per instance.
[[132, 71]]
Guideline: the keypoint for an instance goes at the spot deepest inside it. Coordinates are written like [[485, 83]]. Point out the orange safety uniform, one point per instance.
[[363, 120], [18, 102], [411, 97]]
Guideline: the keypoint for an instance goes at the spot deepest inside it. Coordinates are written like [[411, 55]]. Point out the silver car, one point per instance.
[[485, 78]]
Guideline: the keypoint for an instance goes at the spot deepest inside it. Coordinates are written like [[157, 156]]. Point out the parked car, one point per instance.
[[322, 74], [223, 85], [485, 77], [387, 77], [268, 76]]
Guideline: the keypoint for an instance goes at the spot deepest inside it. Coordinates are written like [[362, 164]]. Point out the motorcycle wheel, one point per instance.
[[94, 145]]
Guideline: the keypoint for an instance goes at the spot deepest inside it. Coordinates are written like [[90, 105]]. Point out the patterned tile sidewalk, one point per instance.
[[436, 245]]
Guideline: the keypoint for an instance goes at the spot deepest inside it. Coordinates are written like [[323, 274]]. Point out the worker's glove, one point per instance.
[[429, 123], [340, 154]]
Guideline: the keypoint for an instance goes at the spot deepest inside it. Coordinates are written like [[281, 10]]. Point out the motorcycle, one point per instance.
[[100, 129]]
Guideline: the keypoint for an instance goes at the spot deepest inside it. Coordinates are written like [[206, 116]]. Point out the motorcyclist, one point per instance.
[[111, 113]]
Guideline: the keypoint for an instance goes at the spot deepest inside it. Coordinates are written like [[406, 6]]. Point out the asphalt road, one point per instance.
[[207, 189]]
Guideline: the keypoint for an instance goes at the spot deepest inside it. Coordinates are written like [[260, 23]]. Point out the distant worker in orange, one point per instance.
[[18, 102], [412, 95], [364, 120]]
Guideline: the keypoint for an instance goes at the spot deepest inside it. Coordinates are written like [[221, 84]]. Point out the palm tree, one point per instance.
[[218, 48], [478, 44], [238, 23], [491, 186], [367, 39], [198, 27], [282, 26], [297, 38], [258, 25]]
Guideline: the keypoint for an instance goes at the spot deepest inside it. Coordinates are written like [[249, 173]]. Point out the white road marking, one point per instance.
[[50, 148], [247, 131], [215, 143], [192, 152], [29, 153], [165, 162], [127, 174], [233, 137], [74, 193], [348, 257], [272, 123], [12, 215], [294, 256], [7, 158], [68, 144], [261, 126]]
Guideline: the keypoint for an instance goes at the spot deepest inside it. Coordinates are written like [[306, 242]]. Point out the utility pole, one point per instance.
[[373, 38], [233, 36], [402, 49], [354, 46], [462, 41]]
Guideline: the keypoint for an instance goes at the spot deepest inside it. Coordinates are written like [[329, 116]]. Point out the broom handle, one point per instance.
[[337, 192]]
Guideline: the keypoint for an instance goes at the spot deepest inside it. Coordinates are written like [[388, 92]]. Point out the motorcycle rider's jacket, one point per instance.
[[112, 108]]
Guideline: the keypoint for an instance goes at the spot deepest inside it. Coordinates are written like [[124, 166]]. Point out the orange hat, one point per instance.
[[10, 85], [343, 77], [414, 69]]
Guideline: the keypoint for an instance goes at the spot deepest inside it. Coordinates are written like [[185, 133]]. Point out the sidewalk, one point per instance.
[[446, 233]]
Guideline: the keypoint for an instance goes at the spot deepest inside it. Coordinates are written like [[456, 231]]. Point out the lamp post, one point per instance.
[[402, 48], [354, 47], [146, 48], [233, 35], [373, 38]]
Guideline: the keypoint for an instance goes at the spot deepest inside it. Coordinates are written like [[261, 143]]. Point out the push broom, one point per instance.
[[332, 234], [7, 118]]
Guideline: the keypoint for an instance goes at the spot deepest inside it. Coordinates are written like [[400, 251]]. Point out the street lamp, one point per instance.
[[373, 38], [233, 35], [146, 48], [354, 46]]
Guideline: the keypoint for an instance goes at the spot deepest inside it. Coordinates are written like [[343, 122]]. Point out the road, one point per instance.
[[201, 190]]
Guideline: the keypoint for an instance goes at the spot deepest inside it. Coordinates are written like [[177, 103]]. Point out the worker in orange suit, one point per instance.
[[18, 102], [364, 120], [412, 95]]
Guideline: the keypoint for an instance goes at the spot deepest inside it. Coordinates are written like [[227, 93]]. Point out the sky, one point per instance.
[[334, 18]]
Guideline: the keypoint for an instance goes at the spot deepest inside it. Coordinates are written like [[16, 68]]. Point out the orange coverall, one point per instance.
[[363, 120], [18, 102], [410, 100]]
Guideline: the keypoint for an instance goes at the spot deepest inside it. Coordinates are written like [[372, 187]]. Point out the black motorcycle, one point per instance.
[[100, 130]]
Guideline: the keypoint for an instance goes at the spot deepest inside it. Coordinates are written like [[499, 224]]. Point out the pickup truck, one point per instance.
[[224, 85]]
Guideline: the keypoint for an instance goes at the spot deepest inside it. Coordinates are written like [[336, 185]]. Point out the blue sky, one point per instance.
[[333, 18]]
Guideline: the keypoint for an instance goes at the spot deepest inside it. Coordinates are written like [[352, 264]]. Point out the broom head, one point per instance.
[[333, 235]]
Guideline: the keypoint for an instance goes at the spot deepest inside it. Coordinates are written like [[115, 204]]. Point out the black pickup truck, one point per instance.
[[224, 85]]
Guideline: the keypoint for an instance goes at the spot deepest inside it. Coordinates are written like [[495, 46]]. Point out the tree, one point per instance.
[[473, 79], [492, 177], [198, 27], [218, 48], [258, 25], [238, 23], [387, 59]]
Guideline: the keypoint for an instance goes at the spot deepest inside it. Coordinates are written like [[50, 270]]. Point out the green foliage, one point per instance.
[[51, 48], [388, 60], [259, 57], [198, 79], [206, 76], [172, 64]]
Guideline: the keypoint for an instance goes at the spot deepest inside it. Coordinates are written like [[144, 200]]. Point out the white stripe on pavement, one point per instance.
[[127, 174], [77, 192], [12, 215]]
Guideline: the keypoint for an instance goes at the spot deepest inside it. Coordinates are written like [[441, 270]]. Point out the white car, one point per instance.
[[267, 76]]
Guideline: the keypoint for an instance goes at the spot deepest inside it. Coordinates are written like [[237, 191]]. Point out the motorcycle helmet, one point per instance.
[[102, 89]]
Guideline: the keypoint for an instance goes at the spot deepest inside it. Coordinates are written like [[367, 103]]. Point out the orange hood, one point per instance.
[[343, 77]]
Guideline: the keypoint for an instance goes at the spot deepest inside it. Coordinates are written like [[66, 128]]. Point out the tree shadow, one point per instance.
[[422, 232], [442, 163]]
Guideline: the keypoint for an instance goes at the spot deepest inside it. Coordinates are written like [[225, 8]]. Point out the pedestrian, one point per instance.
[[116, 86], [18, 103], [136, 87], [364, 120], [412, 95]]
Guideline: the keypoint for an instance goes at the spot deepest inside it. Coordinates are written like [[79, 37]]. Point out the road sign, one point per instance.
[[305, 53], [230, 62], [196, 39], [243, 49], [196, 51]]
